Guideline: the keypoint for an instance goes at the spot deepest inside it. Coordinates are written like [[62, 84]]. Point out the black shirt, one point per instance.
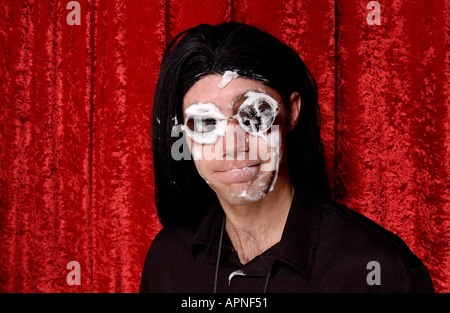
[[325, 247]]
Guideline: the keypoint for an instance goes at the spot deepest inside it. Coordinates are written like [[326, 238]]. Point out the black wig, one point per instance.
[[182, 196]]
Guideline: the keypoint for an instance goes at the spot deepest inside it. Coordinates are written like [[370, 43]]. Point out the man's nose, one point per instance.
[[235, 141]]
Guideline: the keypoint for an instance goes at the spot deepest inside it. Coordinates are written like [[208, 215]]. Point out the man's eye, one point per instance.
[[201, 125], [257, 116]]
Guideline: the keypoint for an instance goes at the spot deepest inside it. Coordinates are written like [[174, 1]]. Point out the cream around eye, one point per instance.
[[253, 116], [205, 110], [272, 139]]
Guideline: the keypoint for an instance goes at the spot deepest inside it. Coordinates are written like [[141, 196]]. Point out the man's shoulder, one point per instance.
[[171, 243], [357, 232], [358, 244], [169, 251], [173, 237]]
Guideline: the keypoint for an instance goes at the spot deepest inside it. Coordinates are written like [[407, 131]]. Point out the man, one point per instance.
[[251, 210]]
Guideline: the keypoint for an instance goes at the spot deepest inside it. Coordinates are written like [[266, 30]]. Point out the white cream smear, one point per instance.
[[273, 141], [206, 110], [274, 165], [254, 116], [227, 77], [242, 170]]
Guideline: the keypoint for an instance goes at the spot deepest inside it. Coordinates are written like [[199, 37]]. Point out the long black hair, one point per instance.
[[182, 196]]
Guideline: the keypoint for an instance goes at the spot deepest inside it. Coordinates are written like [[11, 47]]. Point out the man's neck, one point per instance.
[[255, 227]]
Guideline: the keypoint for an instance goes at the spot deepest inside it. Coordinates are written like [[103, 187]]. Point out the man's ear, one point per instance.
[[295, 103]]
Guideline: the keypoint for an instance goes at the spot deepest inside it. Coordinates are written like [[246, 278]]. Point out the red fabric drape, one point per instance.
[[76, 178]]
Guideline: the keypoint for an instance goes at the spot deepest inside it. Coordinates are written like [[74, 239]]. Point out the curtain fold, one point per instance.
[[76, 178]]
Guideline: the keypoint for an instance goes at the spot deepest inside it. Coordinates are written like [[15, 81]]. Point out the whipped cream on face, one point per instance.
[[255, 115], [204, 109], [258, 111], [227, 77], [272, 137], [273, 141], [245, 195], [175, 126], [253, 169], [200, 110]]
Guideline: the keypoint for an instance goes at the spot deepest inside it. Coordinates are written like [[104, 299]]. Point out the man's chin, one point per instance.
[[244, 193]]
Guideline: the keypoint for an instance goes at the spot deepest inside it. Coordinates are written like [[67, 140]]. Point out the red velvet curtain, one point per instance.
[[76, 178]]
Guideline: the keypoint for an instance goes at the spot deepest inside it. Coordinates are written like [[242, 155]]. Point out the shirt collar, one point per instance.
[[298, 243], [208, 233]]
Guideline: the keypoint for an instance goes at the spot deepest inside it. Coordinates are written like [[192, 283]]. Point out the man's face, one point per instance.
[[239, 162]]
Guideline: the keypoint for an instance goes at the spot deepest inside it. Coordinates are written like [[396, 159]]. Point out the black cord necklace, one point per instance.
[[219, 255]]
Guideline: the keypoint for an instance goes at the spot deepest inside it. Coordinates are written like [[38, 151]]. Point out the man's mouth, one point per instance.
[[238, 175]]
